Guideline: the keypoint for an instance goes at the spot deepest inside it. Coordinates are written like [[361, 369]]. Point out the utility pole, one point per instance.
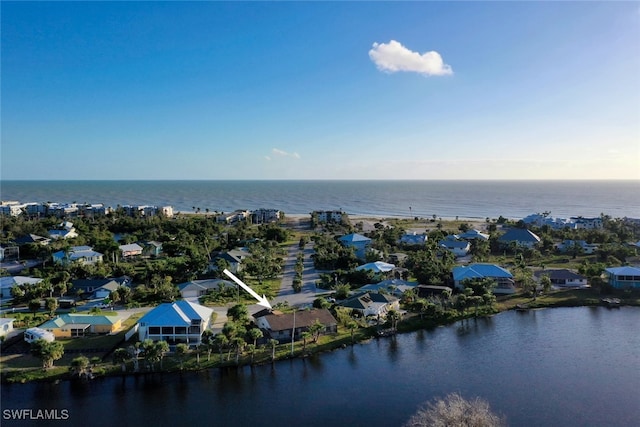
[[293, 331]]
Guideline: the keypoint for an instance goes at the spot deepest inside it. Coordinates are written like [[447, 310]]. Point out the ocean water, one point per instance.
[[466, 199]]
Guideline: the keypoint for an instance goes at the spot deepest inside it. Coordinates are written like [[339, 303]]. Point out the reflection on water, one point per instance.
[[569, 367]]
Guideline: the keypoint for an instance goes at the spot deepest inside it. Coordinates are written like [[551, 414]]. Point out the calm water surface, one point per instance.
[[557, 367], [475, 199]]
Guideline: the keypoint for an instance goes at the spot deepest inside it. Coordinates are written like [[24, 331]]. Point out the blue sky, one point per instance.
[[294, 90]]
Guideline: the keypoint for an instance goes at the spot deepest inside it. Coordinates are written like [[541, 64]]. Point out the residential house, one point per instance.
[[32, 239], [233, 257], [376, 267], [562, 278], [65, 230], [6, 326], [413, 239], [82, 254], [99, 288], [152, 248], [176, 322], [623, 277], [394, 287], [459, 248], [588, 223], [9, 253], [71, 325], [198, 288], [372, 303], [580, 245], [503, 278], [473, 235], [357, 241], [279, 325], [9, 282], [520, 237], [130, 250]]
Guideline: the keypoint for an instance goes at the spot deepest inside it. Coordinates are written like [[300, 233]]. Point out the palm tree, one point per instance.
[[34, 306], [181, 351], [207, 342], [78, 365], [121, 356], [239, 343], [316, 329], [352, 326], [221, 341], [393, 316], [162, 348], [251, 348], [48, 352], [306, 335], [255, 334]]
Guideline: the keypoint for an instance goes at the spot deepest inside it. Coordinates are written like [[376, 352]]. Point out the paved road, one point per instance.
[[309, 278]]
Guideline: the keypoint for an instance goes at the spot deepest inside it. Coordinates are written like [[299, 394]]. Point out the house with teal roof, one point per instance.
[[357, 241], [72, 325]]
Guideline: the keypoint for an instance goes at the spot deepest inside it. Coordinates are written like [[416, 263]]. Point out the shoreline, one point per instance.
[[565, 298]]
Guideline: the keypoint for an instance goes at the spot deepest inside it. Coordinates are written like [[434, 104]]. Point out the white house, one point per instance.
[[588, 223], [459, 248], [570, 245], [562, 278], [65, 230]]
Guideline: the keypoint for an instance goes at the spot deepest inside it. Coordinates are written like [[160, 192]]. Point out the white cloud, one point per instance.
[[393, 57], [281, 153]]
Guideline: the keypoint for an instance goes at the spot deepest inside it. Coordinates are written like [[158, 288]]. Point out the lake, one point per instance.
[[553, 367]]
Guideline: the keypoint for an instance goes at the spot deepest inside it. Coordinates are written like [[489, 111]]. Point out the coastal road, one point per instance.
[[309, 278]]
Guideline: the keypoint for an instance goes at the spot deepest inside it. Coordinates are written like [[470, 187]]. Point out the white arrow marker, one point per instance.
[[261, 300]]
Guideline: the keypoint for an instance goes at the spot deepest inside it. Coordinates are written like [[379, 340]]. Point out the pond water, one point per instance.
[[554, 367]]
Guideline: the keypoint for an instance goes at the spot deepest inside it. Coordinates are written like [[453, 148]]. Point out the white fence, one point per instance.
[[132, 331]]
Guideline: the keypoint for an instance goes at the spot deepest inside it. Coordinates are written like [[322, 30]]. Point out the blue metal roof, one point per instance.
[[479, 271]]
